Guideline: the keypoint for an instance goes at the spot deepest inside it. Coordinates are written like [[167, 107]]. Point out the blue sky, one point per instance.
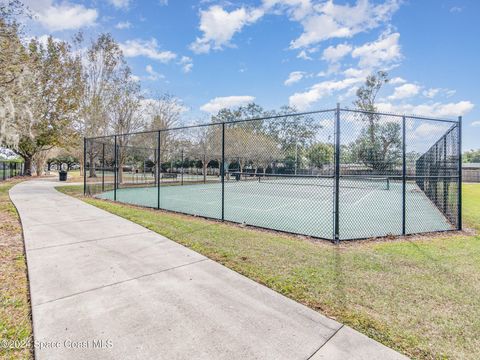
[[307, 53]]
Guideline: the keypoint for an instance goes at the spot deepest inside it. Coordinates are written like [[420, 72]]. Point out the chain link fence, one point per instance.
[[10, 169], [336, 174]]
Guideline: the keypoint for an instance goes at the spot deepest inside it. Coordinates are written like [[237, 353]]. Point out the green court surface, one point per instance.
[[302, 208]]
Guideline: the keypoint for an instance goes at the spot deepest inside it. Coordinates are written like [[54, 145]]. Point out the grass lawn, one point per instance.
[[15, 321], [418, 295]]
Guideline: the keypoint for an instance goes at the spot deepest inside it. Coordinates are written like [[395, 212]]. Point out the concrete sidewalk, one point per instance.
[[103, 287]]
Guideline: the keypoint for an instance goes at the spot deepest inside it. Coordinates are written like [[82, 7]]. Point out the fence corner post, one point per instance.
[[115, 170], [84, 166], [159, 168], [404, 176], [459, 200], [336, 235], [222, 171], [103, 167]]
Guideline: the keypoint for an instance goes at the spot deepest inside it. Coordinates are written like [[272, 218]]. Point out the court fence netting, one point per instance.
[[10, 169], [337, 174]]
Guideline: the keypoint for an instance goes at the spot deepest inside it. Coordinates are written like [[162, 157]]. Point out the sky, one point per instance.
[[309, 54]]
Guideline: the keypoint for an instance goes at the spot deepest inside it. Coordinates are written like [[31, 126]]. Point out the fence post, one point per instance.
[[103, 167], [404, 176], [84, 166], [115, 169], [445, 181], [222, 171], [459, 200], [337, 176], [181, 169], [4, 171], [159, 168]]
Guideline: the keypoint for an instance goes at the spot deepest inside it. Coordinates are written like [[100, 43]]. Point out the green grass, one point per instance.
[[15, 321], [471, 205], [420, 296]]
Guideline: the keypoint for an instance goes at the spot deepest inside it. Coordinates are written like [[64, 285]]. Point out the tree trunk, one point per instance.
[[92, 165], [28, 165], [39, 169], [120, 174], [205, 166]]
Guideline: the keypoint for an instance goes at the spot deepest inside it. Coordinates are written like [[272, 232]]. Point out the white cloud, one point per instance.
[[428, 130], [431, 93], [296, 9], [64, 16], [356, 73], [475, 123], [148, 48], [120, 4], [430, 109], [328, 20], [219, 26], [152, 74], [335, 53], [456, 9], [320, 21], [123, 25], [218, 103], [304, 100], [385, 50], [304, 55], [187, 64], [294, 76], [450, 93], [405, 91], [397, 80], [434, 92]]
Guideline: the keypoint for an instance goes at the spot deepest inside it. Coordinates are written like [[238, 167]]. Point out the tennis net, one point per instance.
[[346, 181]]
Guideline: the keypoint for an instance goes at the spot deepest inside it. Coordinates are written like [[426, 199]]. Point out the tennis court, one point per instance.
[[301, 205], [337, 174]]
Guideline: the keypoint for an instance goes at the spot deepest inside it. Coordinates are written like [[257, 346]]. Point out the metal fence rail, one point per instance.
[[336, 174], [10, 169]]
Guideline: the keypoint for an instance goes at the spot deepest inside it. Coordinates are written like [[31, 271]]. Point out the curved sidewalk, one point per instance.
[[103, 287]]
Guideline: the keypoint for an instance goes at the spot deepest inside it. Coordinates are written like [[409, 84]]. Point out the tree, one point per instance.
[[293, 132], [282, 138], [379, 144], [124, 103], [163, 113], [472, 156], [210, 146], [291, 129], [102, 61], [249, 111], [263, 150], [320, 154], [49, 100], [13, 62]]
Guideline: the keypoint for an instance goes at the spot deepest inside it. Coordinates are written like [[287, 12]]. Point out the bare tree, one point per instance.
[[124, 103], [163, 112], [101, 64]]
